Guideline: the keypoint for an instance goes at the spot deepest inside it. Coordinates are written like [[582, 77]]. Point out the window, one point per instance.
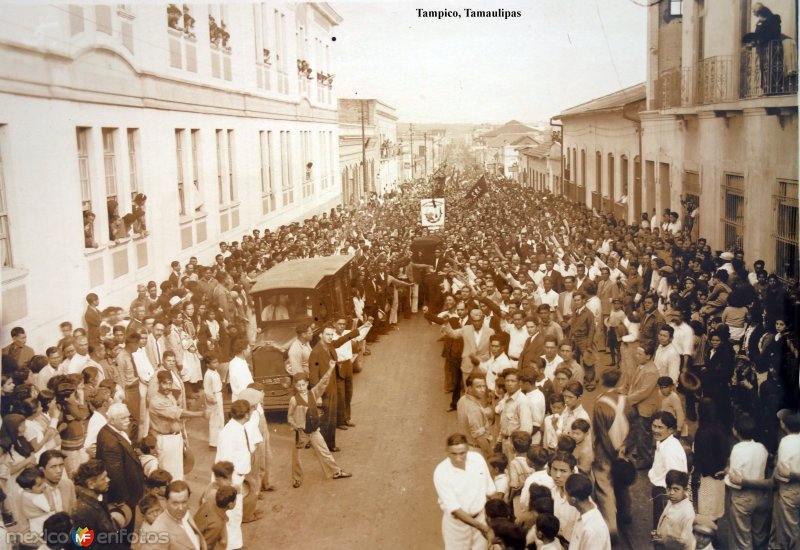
[[6, 260], [307, 164], [287, 190], [611, 177], [198, 196], [262, 53], [109, 164], [220, 160], [784, 229], [733, 211], [676, 7], [83, 168], [267, 196], [179, 171], [231, 182], [281, 56], [133, 167], [623, 172]]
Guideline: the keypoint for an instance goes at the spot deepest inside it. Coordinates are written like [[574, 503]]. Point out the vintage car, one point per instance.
[[307, 291]]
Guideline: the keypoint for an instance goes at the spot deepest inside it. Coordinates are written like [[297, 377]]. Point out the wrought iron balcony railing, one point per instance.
[[768, 69]]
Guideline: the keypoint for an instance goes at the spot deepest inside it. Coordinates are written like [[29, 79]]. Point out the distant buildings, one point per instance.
[[541, 167], [381, 149], [718, 126], [498, 149], [223, 115]]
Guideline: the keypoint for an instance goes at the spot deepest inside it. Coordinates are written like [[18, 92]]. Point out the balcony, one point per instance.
[[768, 70], [715, 80]]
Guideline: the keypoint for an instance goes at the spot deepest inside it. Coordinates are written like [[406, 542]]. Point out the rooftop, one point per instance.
[[613, 101]]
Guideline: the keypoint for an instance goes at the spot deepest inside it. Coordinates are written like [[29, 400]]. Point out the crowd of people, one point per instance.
[[687, 356], [529, 289]]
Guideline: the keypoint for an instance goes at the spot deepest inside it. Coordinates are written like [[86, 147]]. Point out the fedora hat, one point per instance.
[[690, 381], [121, 513]]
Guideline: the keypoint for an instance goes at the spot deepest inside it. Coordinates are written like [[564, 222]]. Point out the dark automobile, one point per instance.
[[306, 291]]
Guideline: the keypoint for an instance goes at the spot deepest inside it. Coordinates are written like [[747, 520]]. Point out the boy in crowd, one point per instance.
[[671, 403], [583, 452], [674, 528]]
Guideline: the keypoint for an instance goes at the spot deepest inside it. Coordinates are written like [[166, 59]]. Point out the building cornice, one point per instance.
[[325, 10]]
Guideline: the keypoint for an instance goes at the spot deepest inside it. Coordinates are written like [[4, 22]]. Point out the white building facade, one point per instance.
[[223, 115]]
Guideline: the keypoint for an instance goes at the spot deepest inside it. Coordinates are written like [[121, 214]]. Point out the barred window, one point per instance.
[[733, 211], [785, 229], [133, 168], [179, 171]]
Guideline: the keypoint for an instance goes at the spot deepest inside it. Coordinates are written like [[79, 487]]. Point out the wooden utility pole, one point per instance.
[[411, 131], [363, 149], [426, 153]]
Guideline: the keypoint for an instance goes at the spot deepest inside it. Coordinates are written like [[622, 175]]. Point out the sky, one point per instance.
[[558, 54]]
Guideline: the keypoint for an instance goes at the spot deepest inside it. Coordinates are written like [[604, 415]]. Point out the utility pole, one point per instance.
[[411, 131], [363, 148], [426, 153]]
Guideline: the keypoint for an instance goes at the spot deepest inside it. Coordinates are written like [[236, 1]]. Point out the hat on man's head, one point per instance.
[[252, 396], [727, 256]]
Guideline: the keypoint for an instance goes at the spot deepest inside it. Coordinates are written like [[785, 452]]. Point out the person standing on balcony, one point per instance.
[[767, 41]]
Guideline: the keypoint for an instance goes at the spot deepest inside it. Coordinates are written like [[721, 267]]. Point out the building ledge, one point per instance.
[[12, 274]]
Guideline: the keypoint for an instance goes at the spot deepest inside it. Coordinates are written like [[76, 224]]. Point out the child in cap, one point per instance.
[[670, 402]]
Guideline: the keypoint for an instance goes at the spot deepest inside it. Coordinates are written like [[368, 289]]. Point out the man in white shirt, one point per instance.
[[551, 358], [786, 509], [100, 403], [591, 531], [747, 507], [683, 338], [234, 446], [546, 294], [517, 334], [299, 350], [514, 414], [666, 358], [463, 483], [497, 363], [239, 374], [81, 359], [669, 455]]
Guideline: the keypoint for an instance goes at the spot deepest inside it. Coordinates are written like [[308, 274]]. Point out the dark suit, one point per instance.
[[124, 468], [532, 351], [93, 320], [344, 382], [317, 367], [212, 523], [89, 511]]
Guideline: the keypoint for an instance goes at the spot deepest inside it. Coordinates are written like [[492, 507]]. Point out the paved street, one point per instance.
[[389, 503]]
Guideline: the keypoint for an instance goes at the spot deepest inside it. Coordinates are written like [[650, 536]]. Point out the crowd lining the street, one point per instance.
[[530, 290]]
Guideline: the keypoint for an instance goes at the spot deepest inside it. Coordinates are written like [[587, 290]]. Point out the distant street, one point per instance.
[[389, 503]]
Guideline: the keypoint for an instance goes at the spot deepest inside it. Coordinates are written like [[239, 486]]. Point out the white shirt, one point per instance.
[[465, 489], [536, 404], [93, 427], [299, 353], [239, 376], [683, 338], [549, 298], [232, 445], [749, 460], [668, 361], [144, 369], [551, 366], [517, 338], [194, 538], [788, 457], [540, 477], [494, 368], [591, 532], [566, 513], [77, 364], [669, 456]]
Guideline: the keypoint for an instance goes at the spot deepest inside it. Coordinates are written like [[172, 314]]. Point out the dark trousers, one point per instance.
[[132, 400], [690, 395], [659, 495], [344, 388], [455, 372], [641, 437], [330, 413]]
